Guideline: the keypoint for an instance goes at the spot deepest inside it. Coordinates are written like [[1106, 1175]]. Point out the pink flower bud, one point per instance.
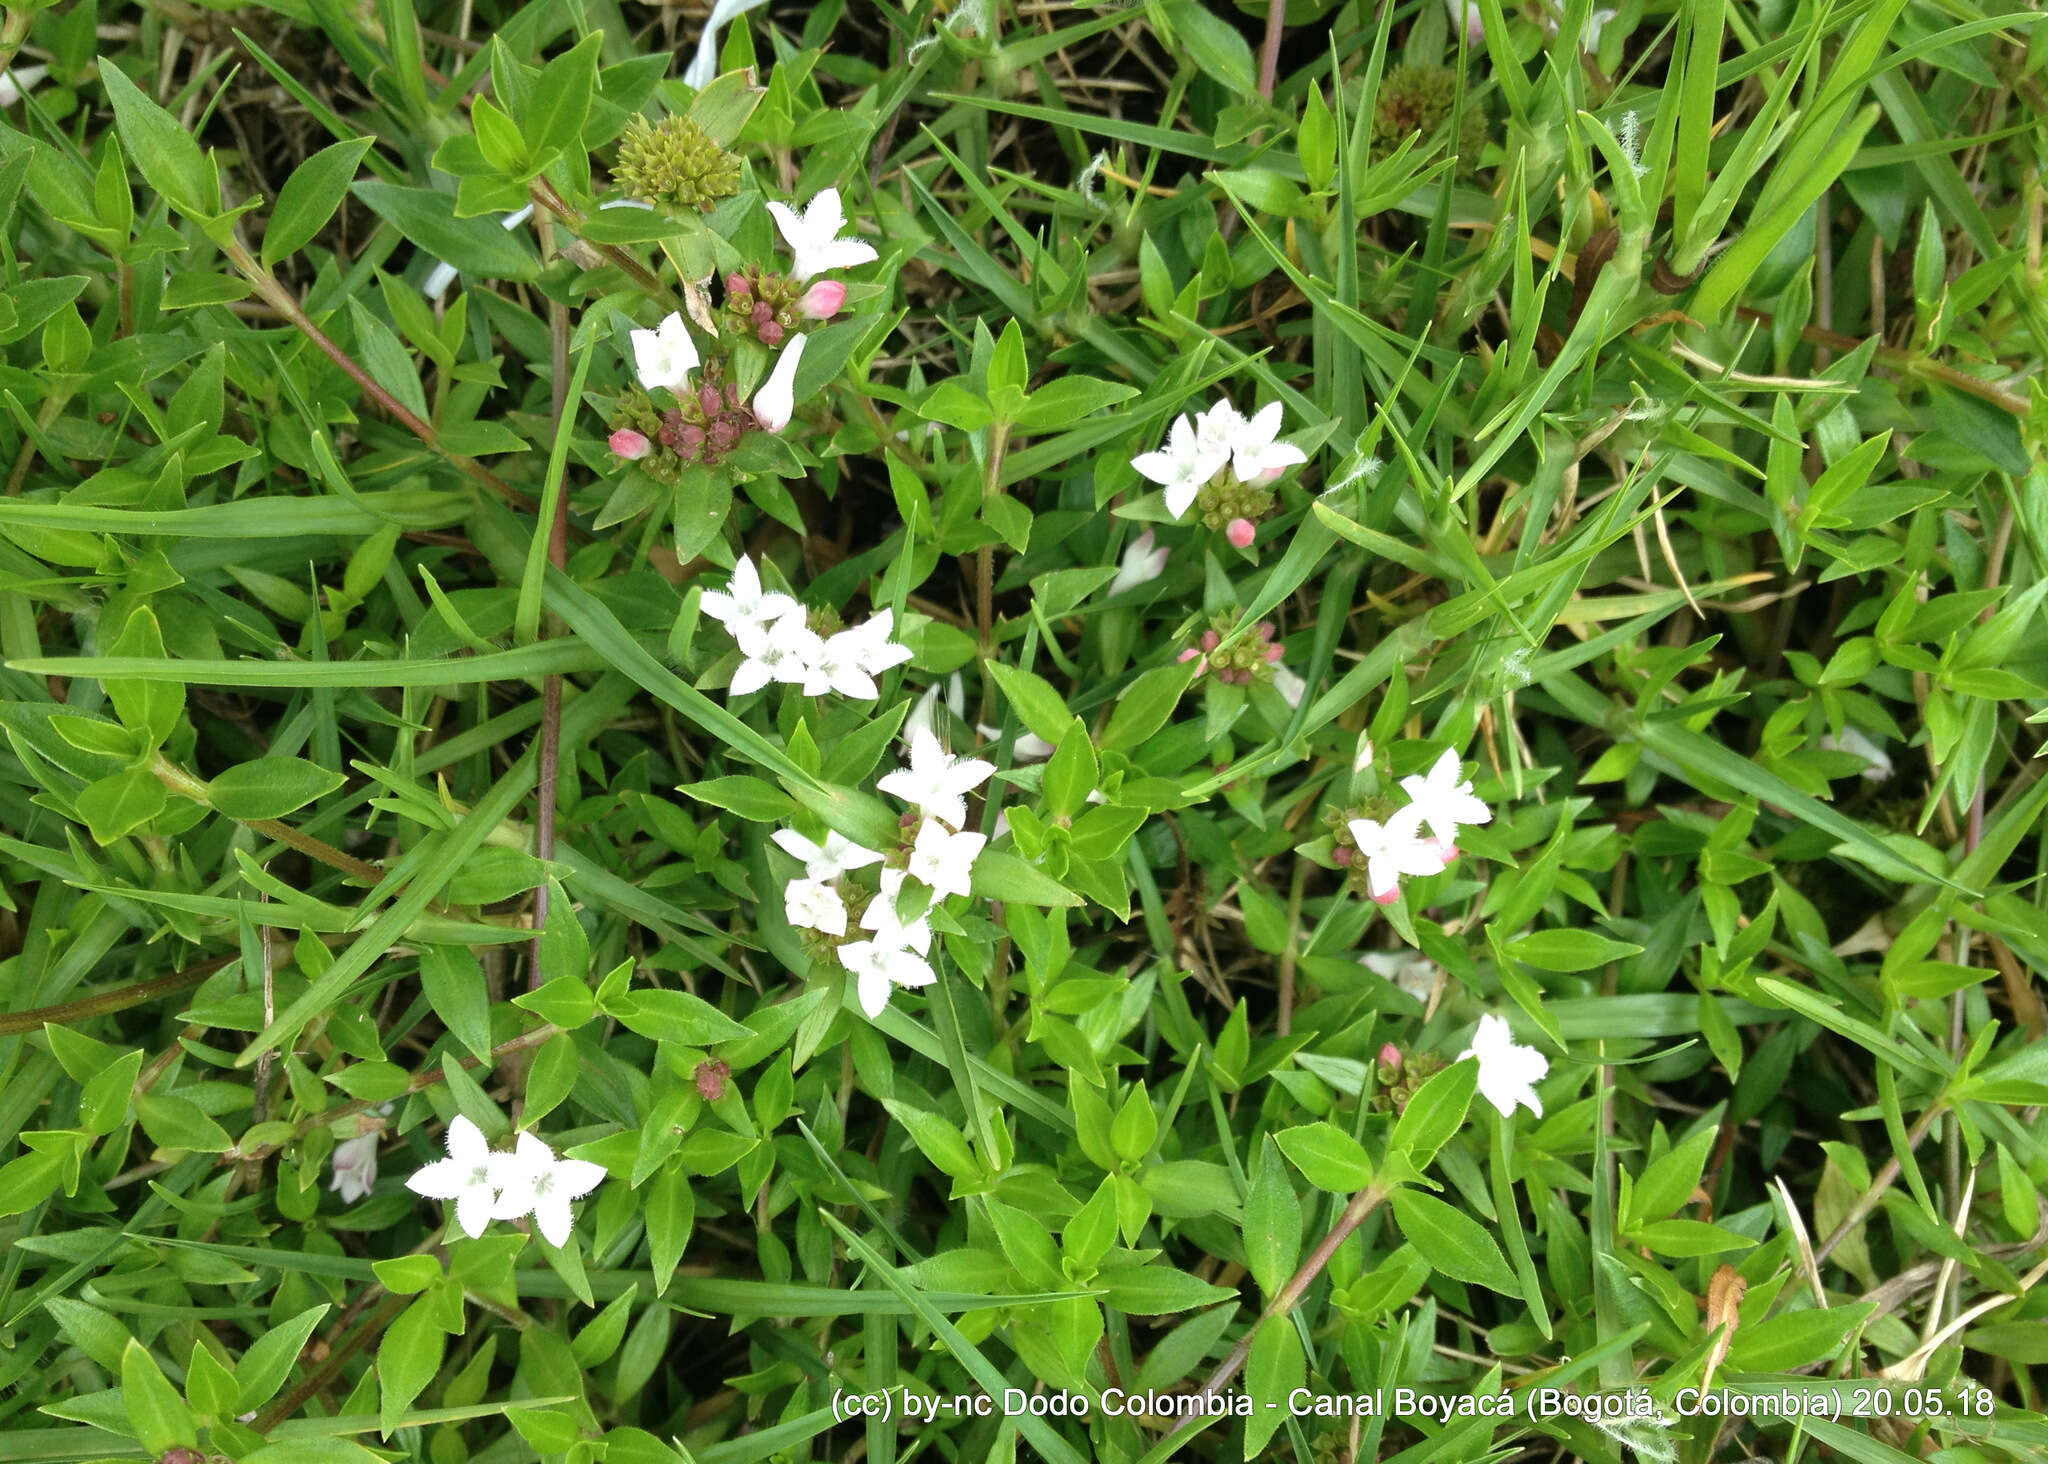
[[1268, 629], [1274, 652], [711, 1077], [1343, 854], [823, 300], [630, 445], [1240, 533], [1390, 1056], [709, 399], [761, 313], [770, 334], [1210, 640], [736, 284], [1188, 655]]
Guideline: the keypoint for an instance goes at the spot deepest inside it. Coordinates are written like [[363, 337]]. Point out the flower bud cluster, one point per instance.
[[675, 165], [769, 306], [1254, 658]]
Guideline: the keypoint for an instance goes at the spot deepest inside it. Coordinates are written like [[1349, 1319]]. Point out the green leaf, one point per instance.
[[453, 982], [1569, 950], [676, 1016], [1272, 1223], [270, 787], [552, 1078], [405, 1275], [1452, 1241], [148, 708], [1434, 1113], [269, 1360], [157, 1415], [408, 1356], [1001, 875], [750, 798], [116, 805], [426, 217], [309, 198], [1274, 1368], [1327, 1157], [1158, 1291], [164, 151], [1145, 705], [1038, 705], [560, 99], [179, 1123]]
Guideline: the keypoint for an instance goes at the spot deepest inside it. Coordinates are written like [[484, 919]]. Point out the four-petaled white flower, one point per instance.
[[1182, 467], [944, 860], [1412, 974], [877, 967], [937, 783], [784, 651], [541, 1185], [1217, 429], [876, 652], [1255, 457], [852, 658], [1446, 802], [743, 602], [1393, 849], [665, 356], [1142, 563], [813, 236], [835, 857], [812, 904], [776, 399], [885, 919], [471, 1176], [1508, 1072]]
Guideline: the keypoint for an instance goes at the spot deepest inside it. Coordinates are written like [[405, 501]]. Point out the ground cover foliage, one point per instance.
[[907, 768]]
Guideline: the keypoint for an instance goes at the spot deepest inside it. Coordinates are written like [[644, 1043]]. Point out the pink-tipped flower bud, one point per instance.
[[1271, 475], [1343, 854], [630, 445], [736, 284], [823, 300], [1274, 652], [770, 334], [1210, 640], [709, 399], [761, 314], [1268, 629], [1390, 1056], [1240, 533], [711, 1078]]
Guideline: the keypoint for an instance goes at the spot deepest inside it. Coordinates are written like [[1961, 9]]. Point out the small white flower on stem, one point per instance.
[[542, 1186], [704, 65], [19, 81], [811, 904], [1255, 457], [877, 968], [1508, 1072], [1392, 850], [776, 399], [1218, 429], [813, 236], [944, 860], [1362, 759], [665, 356], [743, 602], [1025, 747], [1143, 561], [1413, 975], [841, 667], [784, 651], [1466, 13], [936, 782], [884, 918], [354, 1159], [1877, 763], [836, 856], [470, 1176], [1445, 802], [1181, 467]]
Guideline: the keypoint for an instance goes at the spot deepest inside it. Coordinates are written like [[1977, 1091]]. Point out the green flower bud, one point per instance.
[[674, 165]]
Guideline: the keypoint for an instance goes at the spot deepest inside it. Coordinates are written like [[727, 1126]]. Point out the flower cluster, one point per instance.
[[1222, 464], [1508, 1072], [708, 419], [1441, 802], [487, 1184], [781, 642], [1256, 657], [675, 165], [939, 856]]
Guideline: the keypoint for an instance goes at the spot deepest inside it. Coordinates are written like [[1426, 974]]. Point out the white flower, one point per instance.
[[1254, 455], [1877, 762], [1411, 974], [876, 967], [471, 1176], [1024, 747], [785, 651], [877, 653], [1216, 430], [1290, 686], [1181, 467], [665, 356], [1142, 563], [935, 782], [776, 399], [943, 860], [355, 1161], [853, 658], [886, 921], [1444, 801], [811, 904], [1394, 849], [743, 602], [837, 855], [1466, 13], [1362, 759], [813, 236], [541, 1185], [18, 81], [1508, 1073], [1589, 33]]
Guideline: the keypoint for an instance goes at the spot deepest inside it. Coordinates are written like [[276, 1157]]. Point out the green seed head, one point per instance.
[[675, 165]]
